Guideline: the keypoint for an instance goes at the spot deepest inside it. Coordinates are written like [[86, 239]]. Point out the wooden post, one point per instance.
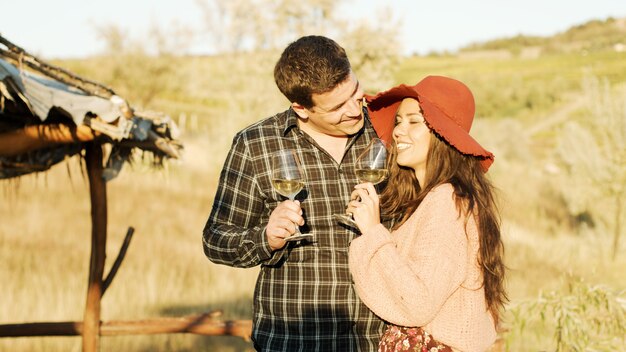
[[97, 190]]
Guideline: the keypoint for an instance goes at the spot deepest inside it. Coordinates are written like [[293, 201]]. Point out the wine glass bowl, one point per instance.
[[371, 166], [288, 180], [287, 188], [375, 176]]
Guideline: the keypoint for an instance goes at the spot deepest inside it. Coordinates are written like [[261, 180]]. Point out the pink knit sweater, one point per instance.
[[426, 274]]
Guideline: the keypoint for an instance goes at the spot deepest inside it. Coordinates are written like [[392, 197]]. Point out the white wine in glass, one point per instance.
[[375, 176], [288, 180], [371, 166], [287, 188]]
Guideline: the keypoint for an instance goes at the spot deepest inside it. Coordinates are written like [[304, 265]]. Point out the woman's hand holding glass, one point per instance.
[[364, 206], [371, 166]]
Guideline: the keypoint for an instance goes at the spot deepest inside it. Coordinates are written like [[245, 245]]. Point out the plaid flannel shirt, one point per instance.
[[304, 298]]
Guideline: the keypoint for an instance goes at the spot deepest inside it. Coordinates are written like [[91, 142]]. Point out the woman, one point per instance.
[[437, 278]]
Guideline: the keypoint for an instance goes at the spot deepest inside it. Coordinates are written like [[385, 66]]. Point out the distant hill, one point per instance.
[[592, 36]]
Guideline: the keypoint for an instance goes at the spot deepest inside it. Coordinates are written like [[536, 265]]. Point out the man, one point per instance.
[[304, 299]]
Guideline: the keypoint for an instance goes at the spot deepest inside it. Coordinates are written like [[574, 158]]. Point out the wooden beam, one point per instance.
[[118, 261], [39, 136], [194, 324], [98, 196], [67, 328]]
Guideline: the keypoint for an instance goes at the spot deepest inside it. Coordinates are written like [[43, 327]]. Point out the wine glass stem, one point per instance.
[[293, 198]]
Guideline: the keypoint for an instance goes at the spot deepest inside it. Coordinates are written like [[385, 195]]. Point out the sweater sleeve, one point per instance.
[[408, 285]]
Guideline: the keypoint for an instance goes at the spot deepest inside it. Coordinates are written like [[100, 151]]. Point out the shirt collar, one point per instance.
[[291, 121]]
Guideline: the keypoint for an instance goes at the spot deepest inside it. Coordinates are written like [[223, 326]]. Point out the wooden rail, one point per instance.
[[204, 324]]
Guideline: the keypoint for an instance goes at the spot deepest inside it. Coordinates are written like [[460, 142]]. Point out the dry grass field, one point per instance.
[[45, 238]]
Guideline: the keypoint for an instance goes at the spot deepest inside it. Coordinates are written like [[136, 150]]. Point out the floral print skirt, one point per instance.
[[400, 338]]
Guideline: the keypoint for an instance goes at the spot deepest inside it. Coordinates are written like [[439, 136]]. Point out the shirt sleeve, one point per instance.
[[408, 286], [234, 234]]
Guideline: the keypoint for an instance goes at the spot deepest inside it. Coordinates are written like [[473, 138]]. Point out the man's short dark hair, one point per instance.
[[311, 65]]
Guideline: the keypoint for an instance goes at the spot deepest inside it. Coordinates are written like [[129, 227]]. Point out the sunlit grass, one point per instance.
[[518, 87]]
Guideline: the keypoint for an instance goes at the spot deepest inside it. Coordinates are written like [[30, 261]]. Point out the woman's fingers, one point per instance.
[[364, 206], [365, 197], [367, 187]]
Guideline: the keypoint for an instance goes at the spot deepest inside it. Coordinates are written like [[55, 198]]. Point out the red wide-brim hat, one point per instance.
[[447, 106]]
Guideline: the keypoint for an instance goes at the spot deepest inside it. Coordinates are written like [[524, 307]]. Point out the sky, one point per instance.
[[67, 28]]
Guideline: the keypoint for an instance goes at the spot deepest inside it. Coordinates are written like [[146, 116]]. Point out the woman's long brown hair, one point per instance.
[[474, 196]]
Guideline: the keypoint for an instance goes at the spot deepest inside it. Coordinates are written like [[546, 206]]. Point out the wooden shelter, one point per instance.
[[48, 114]]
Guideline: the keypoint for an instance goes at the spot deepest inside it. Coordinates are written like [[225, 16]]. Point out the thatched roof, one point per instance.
[[48, 114]]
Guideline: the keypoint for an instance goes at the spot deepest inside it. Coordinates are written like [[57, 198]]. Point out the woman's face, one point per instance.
[[412, 137]]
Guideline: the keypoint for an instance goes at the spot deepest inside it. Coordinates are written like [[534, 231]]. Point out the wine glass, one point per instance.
[[288, 180], [371, 166]]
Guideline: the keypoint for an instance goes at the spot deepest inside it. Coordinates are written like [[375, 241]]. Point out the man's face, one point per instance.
[[335, 113]]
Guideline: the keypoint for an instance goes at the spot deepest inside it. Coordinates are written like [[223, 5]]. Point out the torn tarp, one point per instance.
[[29, 98]]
